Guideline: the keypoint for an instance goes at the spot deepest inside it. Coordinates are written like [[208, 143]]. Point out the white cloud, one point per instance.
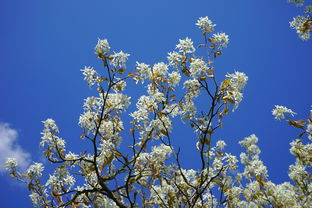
[[10, 148]]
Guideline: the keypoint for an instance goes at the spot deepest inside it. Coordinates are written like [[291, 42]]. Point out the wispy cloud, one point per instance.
[[10, 148]]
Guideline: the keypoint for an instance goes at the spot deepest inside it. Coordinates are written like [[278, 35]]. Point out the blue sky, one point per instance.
[[45, 43]]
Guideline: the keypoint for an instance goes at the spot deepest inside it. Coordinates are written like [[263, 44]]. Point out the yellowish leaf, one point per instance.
[[217, 53], [295, 124]]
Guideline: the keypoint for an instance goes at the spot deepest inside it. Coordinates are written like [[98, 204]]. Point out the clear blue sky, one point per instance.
[[45, 43]]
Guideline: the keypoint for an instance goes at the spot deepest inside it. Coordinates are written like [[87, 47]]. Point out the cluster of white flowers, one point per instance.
[[158, 72], [233, 87], [91, 75], [220, 144], [60, 179], [117, 102], [238, 80], [119, 59], [143, 71], [175, 78], [10, 164], [198, 67], [154, 92], [153, 163], [301, 151], [38, 200], [120, 85], [106, 149], [87, 120], [300, 24], [205, 23], [222, 39], [35, 170], [192, 86], [253, 165], [48, 136], [103, 201], [102, 47], [164, 192], [93, 104], [185, 46], [279, 112], [174, 59], [145, 105]]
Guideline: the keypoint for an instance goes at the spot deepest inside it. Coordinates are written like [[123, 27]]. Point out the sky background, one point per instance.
[[45, 43]]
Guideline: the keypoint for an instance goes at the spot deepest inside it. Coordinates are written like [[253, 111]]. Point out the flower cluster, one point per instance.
[[119, 59], [54, 143], [302, 23], [233, 87], [102, 47], [205, 24], [60, 179], [186, 46], [279, 112], [35, 170], [90, 75], [10, 164], [222, 39]]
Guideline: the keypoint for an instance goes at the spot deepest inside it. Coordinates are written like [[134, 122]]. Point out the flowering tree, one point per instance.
[[148, 173], [302, 23]]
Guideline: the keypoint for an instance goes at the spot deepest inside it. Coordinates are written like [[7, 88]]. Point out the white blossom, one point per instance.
[[175, 78], [155, 93], [279, 112], [220, 144], [60, 178], [299, 23], [35, 170], [35, 198], [174, 58], [192, 86], [186, 46], [38, 200], [143, 70], [238, 80], [198, 67], [102, 46], [90, 75], [120, 85], [222, 39], [10, 164], [205, 23], [119, 59], [233, 87], [158, 71]]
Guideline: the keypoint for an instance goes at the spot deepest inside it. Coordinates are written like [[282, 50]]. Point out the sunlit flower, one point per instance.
[[10, 164], [205, 23], [119, 59], [222, 39], [102, 46], [279, 112], [186, 46], [35, 170]]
